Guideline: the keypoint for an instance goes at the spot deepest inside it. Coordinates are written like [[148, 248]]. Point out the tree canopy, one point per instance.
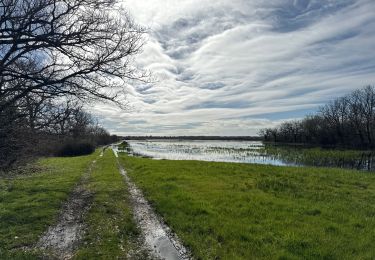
[[56, 55]]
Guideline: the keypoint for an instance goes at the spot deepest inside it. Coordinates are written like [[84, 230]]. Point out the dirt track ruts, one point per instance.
[[160, 241], [62, 239]]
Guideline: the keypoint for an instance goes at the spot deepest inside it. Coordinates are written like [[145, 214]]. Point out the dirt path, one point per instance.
[[61, 240], [160, 241]]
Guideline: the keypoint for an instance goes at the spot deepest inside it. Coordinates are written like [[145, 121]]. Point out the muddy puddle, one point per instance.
[[160, 241]]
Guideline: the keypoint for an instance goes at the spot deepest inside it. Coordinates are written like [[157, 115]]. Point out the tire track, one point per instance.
[[62, 239], [160, 241]]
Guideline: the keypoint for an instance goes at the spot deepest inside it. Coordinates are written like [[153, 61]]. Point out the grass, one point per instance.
[[220, 210], [244, 211], [30, 203], [111, 230]]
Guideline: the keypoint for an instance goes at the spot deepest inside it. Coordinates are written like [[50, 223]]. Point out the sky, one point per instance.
[[233, 67]]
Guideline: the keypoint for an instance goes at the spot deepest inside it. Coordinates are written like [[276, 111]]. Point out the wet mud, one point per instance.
[[62, 239], [160, 241]]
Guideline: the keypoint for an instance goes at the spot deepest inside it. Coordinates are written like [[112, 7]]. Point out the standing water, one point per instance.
[[251, 152], [217, 151]]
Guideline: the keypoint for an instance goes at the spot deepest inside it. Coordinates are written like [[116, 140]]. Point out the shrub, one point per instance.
[[76, 149]]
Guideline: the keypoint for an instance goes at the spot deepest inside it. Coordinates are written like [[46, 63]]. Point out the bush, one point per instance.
[[76, 149]]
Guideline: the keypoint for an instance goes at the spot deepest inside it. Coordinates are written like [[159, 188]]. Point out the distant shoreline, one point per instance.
[[206, 138]]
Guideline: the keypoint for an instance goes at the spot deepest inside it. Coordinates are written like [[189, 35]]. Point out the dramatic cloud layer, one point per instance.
[[231, 67]]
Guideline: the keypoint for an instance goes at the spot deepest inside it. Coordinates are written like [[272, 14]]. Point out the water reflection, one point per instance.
[[251, 152]]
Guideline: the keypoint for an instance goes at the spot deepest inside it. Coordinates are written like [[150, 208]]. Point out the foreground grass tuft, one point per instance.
[[31, 203], [111, 231], [243, 211]]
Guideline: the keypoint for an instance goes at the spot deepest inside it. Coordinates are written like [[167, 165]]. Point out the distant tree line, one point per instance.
[[346, 121], [55, 56]]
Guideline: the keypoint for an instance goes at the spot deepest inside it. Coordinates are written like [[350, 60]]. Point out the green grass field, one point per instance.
[[244, 211], [219, 210], [30, 203]]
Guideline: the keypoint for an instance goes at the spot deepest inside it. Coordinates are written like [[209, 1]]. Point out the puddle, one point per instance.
[[159, 239]]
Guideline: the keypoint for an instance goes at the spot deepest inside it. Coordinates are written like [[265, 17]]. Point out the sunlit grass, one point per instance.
[[245, 211]]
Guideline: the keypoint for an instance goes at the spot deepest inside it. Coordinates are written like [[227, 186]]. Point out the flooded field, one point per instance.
[[217, 151], [252, 152]]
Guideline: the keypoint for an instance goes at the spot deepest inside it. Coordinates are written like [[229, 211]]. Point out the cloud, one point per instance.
[[233, 67]]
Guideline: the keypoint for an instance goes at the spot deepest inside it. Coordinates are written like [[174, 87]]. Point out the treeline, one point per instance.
[[346, 121], [55, 56], [39, 126]]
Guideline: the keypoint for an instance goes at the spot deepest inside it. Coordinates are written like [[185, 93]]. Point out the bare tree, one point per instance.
[[81, 48], [367, 110], [336, 114], [356, 115], [348, 121], [54, 56]]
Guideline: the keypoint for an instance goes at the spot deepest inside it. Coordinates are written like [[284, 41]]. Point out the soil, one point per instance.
[[160, 241], [61, 240]]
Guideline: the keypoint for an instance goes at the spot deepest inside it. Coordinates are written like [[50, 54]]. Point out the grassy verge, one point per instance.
[[243, 211], [30, 203], [111, 231]]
